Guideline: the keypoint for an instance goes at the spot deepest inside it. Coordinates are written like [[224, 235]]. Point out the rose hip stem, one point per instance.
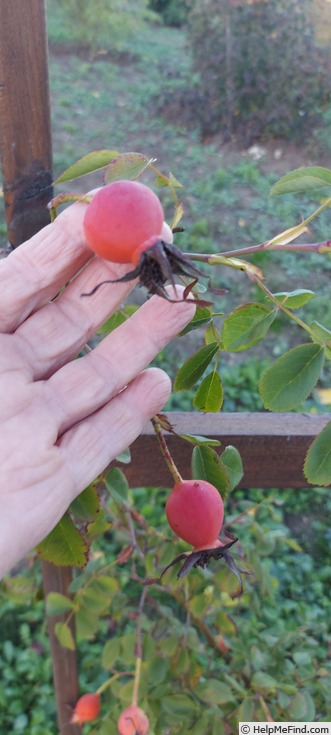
[[165, 451]]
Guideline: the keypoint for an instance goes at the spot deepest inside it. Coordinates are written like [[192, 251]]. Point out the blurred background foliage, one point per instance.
[[179, 81]]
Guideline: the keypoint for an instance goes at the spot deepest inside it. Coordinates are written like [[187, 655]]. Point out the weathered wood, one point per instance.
[[25, 130], [65, 675], [26, 160], [273, 447]]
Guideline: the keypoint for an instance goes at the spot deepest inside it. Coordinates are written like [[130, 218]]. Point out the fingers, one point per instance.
[[86, 384], [57, 332], [93, 443], [36, 271]]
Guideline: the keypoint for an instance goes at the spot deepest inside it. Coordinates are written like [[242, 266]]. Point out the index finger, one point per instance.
[[35, 272]]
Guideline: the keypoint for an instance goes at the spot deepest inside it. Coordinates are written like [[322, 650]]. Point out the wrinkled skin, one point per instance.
[[62, 420]]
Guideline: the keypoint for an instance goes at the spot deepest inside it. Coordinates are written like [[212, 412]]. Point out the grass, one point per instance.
[[113, 103]]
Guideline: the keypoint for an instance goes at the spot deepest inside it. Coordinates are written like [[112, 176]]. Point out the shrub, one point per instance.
[[172, 12], [100, 24], [260, 70]]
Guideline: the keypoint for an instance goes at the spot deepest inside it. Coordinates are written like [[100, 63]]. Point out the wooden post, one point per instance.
[[57, 579], [25, 131], [26, 159]]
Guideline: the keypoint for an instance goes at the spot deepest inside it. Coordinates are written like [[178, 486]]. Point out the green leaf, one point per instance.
[[126, 166], [96, 595], [317, 466], [202, 316], [209, 396], [214, 692], [87, 623], [64, 546], [57, 604], [196, 440], [64, 636], [322, 335], [246, 711], [246, 326], [295, 299], [117, 485], [207, 465], [302, 179], [263, 682], [178, 704], [99, 526], [111, 652], [86, 505], [193, 369], [290, 380], [302, 708], [86, 165], [233, 465]]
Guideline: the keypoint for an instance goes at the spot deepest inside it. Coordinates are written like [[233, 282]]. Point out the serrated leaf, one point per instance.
[[117, 485], [233, 464], [91, 162], [246, 326], [317, 466], [64, 636], [209, 396], [193, 369], [290, 380], [86, 505], [302, 179], [126, 166], [294, 299], [207, 465], [57, 604], [64, 546]]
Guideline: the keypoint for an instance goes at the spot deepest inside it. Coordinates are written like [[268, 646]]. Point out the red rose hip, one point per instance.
[[195, 512], [86, 709], [120, 218], [133, 721]]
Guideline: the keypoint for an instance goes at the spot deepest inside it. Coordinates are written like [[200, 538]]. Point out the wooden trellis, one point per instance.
[[272, 446]]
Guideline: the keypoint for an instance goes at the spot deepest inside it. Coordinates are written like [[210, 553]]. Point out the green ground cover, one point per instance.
[[281, 627]]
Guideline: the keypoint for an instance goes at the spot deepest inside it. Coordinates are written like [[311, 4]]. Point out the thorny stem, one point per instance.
[[165, 451]]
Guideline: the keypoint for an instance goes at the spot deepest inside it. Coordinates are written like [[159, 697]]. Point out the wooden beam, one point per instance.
[[25, 130], [272, 446]]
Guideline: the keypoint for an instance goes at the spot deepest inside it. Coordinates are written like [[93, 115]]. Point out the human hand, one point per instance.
[[62, 421]]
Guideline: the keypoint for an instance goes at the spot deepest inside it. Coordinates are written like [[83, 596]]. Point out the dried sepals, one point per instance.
[[201, 558], [157, 265]]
